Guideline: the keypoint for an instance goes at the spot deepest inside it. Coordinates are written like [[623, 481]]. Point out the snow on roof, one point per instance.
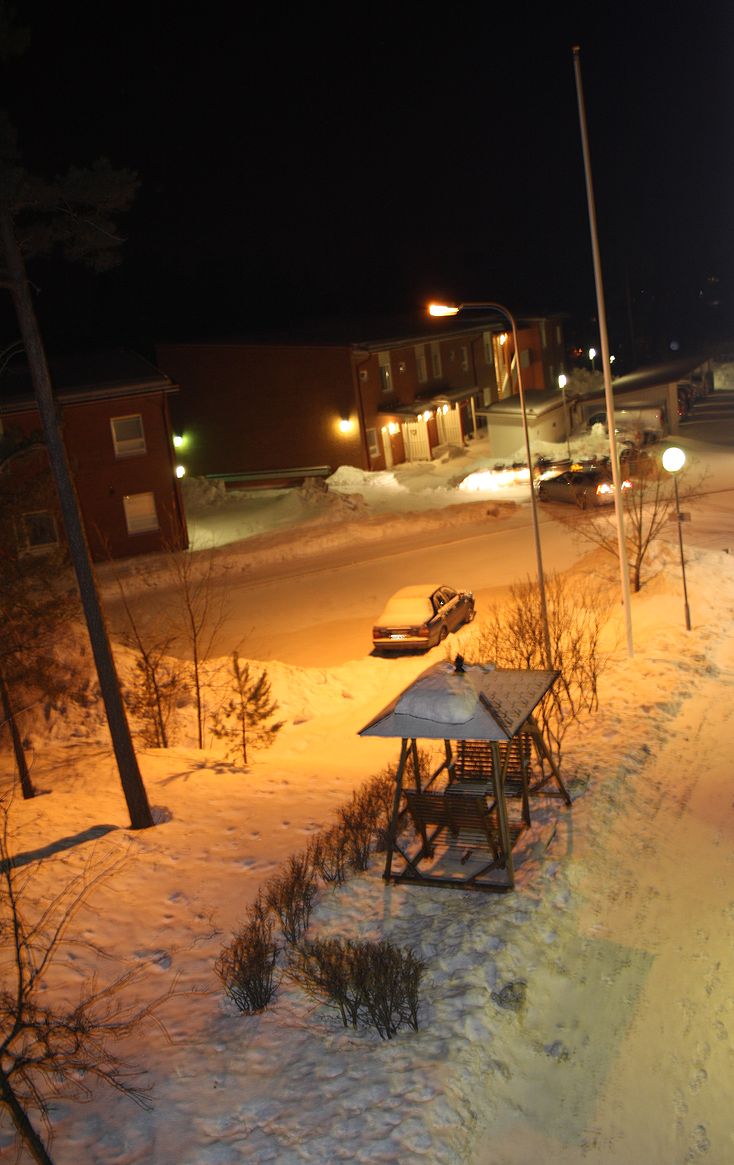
[[479, 703], [409, 605]]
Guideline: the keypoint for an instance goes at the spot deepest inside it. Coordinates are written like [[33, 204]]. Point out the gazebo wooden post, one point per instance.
[[393, 826], [450, 762], [416, 764], [544, 753], [504, 828]]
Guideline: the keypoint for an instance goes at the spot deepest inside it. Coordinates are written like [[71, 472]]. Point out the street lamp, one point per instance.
[[673, 461], [440, 309], [592, 356], [562, 382]]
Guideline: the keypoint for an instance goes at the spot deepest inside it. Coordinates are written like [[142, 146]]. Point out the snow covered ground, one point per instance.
[[621, 926]]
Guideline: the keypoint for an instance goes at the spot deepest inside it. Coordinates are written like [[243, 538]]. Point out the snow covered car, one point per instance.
[[582, 487], [418, 617]]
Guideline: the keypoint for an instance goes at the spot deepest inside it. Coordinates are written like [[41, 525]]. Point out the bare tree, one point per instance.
[[50, 1049], [512, 635], [159, 680], [649, 506], [74, 214], [36, 600]]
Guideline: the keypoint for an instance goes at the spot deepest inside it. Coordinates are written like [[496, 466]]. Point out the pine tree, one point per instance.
[[245, 720]]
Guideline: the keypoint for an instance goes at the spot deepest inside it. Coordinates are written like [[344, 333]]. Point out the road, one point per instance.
[[322, 614]]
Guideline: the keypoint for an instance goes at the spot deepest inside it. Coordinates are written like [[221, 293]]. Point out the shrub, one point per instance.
[[328, 854], [290, 895], [246, 966], [371, 984]]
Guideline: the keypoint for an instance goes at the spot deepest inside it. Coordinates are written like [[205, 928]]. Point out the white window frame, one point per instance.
[[373, 444], [145, 521], [128, 446], [38, 547]]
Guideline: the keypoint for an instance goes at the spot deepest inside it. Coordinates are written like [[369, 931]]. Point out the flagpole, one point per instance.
[[606, 365]]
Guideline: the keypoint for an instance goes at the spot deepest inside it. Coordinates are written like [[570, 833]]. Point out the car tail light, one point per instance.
[[605, 487], [626, 484]]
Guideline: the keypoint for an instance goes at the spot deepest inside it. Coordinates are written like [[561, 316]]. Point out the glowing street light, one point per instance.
[[673, 461], [592, 356], [441, 309]]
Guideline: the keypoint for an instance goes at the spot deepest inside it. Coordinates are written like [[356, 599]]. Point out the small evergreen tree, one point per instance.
[[245, 721]]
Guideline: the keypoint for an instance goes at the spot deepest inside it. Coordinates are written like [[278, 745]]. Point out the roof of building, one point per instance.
[[372, 333], [650, 377], [116, 372]]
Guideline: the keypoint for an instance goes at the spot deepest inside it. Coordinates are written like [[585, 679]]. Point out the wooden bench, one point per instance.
[[465, 817]]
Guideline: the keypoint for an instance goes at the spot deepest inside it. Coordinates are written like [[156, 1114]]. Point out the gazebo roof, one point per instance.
[[472, 702]]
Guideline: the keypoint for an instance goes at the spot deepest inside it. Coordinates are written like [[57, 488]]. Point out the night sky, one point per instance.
[[357, 160]]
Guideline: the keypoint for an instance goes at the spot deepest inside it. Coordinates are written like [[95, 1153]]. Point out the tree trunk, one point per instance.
[[132, 782], [26, 783], [22, 1123]]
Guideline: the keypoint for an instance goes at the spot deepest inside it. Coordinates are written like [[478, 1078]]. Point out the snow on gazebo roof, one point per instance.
[[453, 701]]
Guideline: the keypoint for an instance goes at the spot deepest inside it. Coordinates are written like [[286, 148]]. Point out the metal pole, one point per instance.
[[682, 556], [533, 500], [608, 394]]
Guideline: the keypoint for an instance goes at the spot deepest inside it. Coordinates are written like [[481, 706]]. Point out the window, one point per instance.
[[372, 445], [464, 358], [127, 435], [420, 363], [488, 351], [38, 530], [140, 513], [385, 373], [543, 337], [436, 359]]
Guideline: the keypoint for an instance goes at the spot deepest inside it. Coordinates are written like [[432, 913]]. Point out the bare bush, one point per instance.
[[512, 636], [247, 965], [290, 895], [371, 984], [328, 854], [48, 1048]]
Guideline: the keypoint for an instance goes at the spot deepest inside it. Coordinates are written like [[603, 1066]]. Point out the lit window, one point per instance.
[[372, 443], [436, 359], [385, 372], [140, 513], [420, 363], [128, 435]]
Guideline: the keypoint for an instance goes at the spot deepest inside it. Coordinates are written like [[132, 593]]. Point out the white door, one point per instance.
[[416, 441]]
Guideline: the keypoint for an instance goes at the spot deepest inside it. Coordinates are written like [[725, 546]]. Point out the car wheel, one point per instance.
[[583, 500], [443, 634]]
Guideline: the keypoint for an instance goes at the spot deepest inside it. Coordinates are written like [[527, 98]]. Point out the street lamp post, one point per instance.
[[562, 382], [592, 357], [673, 461], [436, 309]]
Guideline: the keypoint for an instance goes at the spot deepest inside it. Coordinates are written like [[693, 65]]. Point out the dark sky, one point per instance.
[[358, 160]]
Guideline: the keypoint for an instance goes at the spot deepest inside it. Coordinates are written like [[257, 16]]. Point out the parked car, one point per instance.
[[418, 617], [581, 487], [639, 423]]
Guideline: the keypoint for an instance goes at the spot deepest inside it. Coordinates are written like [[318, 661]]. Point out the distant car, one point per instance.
[[581, 487], [418, 617]]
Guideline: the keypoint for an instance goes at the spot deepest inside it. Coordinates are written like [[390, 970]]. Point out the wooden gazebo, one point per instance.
[[458, 825]]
